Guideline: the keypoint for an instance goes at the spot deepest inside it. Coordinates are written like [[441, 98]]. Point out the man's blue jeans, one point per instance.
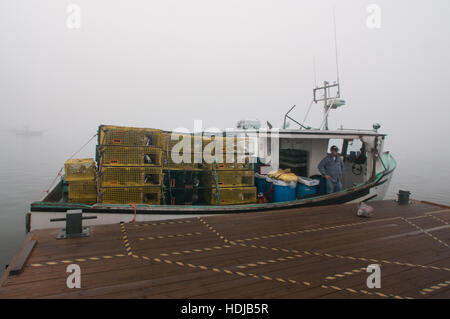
[[333, 187]]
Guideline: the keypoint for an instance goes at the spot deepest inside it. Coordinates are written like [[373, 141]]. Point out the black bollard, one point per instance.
[[403, 197], [74, 226]]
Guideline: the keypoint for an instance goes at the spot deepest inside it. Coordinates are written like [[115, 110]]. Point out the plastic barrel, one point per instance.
[[268, 186], [261, 185], [303, 190], [283, 193], [322, 187]]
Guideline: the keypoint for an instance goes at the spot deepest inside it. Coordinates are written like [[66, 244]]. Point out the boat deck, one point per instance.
[[319, 252]]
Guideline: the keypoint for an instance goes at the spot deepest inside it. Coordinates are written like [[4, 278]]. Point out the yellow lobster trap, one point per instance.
[[150, 195], [189, 161], [130, 176], [189, 142], [233, 178], [208, 144], [231, 196], [229, 162], [129, 156], [84, 192], [80, 169], [129, 136]]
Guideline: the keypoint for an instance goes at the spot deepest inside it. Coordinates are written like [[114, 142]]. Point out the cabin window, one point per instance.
[[338, 142], [356, 152], [352, 150]]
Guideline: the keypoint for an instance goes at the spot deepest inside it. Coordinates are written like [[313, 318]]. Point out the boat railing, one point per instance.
[[387, 161]]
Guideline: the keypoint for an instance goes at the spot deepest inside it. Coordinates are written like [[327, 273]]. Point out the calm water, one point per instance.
[[31, 164]]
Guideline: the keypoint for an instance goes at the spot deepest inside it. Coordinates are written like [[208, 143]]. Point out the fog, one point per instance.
[[164, 64]]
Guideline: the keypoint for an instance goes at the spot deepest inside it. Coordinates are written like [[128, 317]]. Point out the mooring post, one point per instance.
[[74, 225]]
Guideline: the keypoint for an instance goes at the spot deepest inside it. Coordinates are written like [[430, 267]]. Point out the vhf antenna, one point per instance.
[[336, 47], [330, 102]]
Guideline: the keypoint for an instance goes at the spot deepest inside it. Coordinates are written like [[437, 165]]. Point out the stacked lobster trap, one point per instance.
[[149, 166], [210, 170], [231, 178], [80, 174], [183, 170], [129, 165]]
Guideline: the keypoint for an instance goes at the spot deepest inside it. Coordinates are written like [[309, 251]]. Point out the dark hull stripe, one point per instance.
[[370, 198]]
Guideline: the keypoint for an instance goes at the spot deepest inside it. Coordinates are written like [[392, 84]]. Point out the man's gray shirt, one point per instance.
[[333, 168]]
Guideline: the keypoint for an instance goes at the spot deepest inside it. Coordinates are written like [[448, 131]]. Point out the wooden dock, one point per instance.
[[317, 252]]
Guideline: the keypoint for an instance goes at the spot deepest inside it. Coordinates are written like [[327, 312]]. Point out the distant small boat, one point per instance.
[[26, 132]]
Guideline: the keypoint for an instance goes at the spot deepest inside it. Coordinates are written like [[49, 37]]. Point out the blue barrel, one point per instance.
[[304, 191], [322, 189], [261, 184], [283, 193], [268, 186]]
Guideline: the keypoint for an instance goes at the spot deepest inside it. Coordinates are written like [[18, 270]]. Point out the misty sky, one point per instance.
[[165, 63]]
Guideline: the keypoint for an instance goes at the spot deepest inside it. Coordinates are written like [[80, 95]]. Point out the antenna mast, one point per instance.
[[335, 44], [330, 102]]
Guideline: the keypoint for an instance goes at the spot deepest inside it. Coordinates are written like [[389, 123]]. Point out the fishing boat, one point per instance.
[[26, 132], [368, 170]]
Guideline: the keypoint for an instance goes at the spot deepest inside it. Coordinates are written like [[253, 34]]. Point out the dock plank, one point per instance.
[[319, 252]]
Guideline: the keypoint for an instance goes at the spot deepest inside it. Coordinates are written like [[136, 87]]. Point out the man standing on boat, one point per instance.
[[332, 168]]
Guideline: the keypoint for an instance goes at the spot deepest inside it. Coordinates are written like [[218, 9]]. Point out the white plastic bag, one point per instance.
[[260, 176], [365, 210], [308, 181]]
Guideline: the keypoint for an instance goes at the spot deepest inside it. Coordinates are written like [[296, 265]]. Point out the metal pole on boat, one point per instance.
[[325, 101]]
